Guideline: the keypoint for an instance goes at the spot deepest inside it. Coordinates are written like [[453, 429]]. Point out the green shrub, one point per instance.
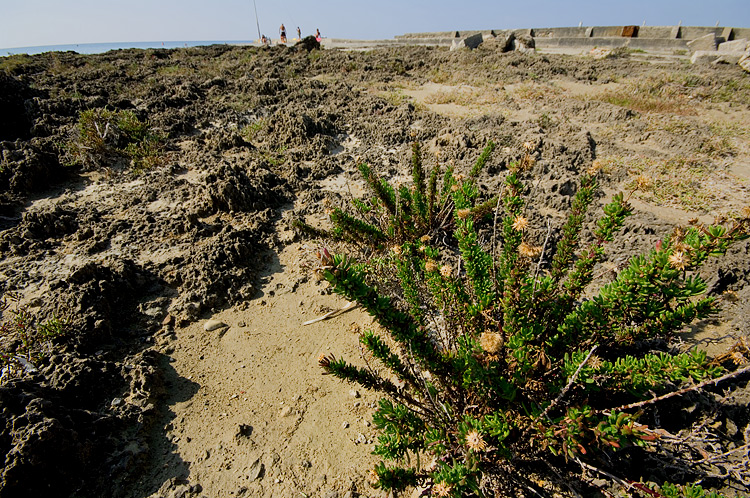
[[23, 339], [394, 215], [493, 363], [103, 137]]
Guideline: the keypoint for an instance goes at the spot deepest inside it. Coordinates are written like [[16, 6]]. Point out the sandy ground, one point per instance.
[[250, 413]]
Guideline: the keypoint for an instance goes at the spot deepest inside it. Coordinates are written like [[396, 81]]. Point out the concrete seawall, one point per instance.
[[654, 39]]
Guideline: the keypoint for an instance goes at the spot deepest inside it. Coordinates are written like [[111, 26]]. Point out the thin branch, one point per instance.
[[683, 391], [494, 240], [570, 383]]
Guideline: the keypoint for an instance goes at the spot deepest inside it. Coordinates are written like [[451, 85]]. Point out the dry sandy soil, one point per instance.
[[141, 398]]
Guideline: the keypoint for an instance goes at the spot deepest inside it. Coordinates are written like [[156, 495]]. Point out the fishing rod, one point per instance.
[[256, 19]]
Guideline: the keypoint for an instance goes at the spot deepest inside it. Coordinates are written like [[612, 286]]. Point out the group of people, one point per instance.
[[282, 35]]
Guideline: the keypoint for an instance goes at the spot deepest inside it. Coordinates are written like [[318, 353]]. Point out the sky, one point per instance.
[[55, 22]]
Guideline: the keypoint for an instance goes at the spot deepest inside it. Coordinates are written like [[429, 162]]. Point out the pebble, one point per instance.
[[117, 401], [286, 411], [255, 470], [213, 325], [345, 425], [354, 393]]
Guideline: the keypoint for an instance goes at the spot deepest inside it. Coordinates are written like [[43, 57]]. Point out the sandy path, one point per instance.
[[252, 394]]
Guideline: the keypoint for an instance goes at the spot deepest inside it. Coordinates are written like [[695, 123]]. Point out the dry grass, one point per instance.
[[691, 183]]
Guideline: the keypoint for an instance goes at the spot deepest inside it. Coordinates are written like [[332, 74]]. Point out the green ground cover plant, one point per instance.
[[24, 340], [502, 372], [103, 137]]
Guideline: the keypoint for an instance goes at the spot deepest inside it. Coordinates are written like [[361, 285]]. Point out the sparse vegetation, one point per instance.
[[492, 361], [104, 137], [23, 339]]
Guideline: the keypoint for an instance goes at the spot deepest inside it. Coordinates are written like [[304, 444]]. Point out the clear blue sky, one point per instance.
[[53, 22]]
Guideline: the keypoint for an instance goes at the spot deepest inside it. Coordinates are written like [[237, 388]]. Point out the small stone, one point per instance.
[[242, 324], [256, 468], [117, 402], [213, 325], [168, 321], [345, 425], [285, 412], [354, 393]]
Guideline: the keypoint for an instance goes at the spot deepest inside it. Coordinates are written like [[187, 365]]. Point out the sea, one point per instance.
[[98, 48]]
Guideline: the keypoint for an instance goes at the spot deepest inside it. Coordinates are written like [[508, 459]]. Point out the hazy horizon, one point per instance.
[[46, 22]]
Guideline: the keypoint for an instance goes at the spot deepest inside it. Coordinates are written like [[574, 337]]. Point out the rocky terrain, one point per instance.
[[184, 368]]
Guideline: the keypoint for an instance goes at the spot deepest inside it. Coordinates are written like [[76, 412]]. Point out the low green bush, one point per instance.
[[24, 340], [104, 137], [496, 359]]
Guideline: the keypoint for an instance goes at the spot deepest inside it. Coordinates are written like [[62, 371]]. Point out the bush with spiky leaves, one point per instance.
[[394, 215], [499, 365]]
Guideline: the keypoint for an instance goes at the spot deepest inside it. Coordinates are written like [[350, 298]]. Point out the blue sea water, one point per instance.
[[98, 48]]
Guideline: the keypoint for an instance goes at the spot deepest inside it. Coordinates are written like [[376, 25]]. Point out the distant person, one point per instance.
[[299, 33], [282, 32], [317, 34], [264, 40]]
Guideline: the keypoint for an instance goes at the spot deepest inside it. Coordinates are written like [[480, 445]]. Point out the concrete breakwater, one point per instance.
[[672, 40]]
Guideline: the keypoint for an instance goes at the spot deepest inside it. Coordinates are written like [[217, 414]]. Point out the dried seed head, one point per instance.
[[595, 167], [475, 441], [463, 213], [679, 260], [491, 342], [425, 239], [396, 250], [446, 271], [430, 266], [441, 490], [520, 223], [745, 213], [643, 182], [595, 362], [454, 188], [528, 146], [373, 477], [529, 251], [458, 177]]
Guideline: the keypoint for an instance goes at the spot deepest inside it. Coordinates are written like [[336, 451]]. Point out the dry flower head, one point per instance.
[[643, 182], [446, 271], [441, 489], [679, 260], [528, 251], [475, 441], [595, 167], [520, 223], [491, 342], [463, 213]]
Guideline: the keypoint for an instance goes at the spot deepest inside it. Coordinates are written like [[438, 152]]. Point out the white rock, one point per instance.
[[213, 325]]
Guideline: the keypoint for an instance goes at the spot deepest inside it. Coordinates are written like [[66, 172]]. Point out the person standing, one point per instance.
[[282, 32], [317, 34], [299, 33]]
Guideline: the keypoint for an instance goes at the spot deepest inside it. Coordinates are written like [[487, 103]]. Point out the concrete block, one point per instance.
[[734, 46], [470, 42], [727, 34], [729, 58], [676, 32], [703, 56], [704, 43], [745, 62], [589, 32]]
